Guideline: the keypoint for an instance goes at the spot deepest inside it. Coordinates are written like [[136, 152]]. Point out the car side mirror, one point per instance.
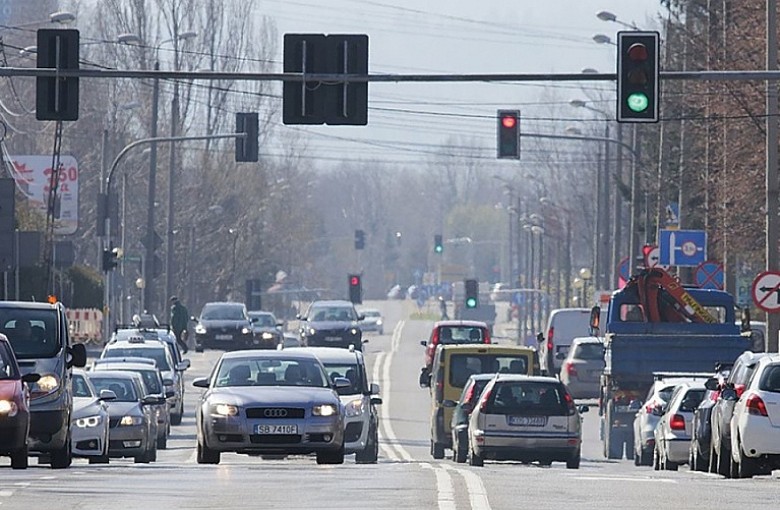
[[193, 318], [374, 389], [361, 317], [449, 403], [376, 401], [560, 355], [658, 411], [254, 320], [170, 393], [540, 338], [583, 409], [107, 395], [712, 384], [424, 343], [151, 400], [425, 379], [78, 356], [729, 394], [635, 405], [341, 383], [201, 382], [167, 382], [31, 378], [280, 325], [183, 365]]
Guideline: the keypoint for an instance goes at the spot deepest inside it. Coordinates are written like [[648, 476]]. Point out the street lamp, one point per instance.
[[603, 39], [234, 233], [609, 16]]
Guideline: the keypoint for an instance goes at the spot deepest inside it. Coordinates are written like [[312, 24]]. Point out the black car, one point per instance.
[[462, 412], [223, 326], [266, 329], [701, 435], [331, 324]]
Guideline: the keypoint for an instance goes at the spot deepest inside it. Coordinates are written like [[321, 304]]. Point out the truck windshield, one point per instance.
[[32, 333]]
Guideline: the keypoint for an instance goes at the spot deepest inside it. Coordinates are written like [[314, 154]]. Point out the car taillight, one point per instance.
[[755, 406], [485, 398], [469, 395], [439, 386], [714, 395], [740, 389], [550, 333], [570, 369], [486, 336], [569, 402], [677, 422]]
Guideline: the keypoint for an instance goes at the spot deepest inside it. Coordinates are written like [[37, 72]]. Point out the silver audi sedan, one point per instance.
[[270, 403]]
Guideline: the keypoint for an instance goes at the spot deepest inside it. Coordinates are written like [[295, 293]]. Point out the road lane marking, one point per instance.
[[477, 492], [386, 362], [623, 479], [6, 493], [445, 490]]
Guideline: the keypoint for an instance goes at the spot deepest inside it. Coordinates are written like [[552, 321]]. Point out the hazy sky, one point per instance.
[[458, 36]]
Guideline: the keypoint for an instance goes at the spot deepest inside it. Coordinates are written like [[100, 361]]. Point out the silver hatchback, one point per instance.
[[526, 418]]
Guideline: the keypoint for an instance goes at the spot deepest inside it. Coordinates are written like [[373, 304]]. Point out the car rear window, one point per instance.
[[770, 379], [449, 335], [463, 366], [158, 354], [528, 399], [589, 351], [665, 393], [692, 400]]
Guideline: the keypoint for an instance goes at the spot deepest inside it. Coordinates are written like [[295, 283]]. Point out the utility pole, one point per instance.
[[772, 195], [169, 255], [633, 239], [149, 258], [617, 218]]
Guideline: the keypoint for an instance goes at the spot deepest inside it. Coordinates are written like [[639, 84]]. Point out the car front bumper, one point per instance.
[[88, 441], [236, 340], [356, 433], [48, 430], [234, 434], [127, 440], [13, 431], [337, 338]]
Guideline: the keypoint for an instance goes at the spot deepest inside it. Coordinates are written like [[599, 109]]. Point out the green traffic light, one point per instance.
[[471, 303], [638, 102], [439, 248]]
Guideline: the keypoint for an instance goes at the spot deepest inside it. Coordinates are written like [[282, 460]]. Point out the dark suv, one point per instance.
[[331, 324], [223, 326]]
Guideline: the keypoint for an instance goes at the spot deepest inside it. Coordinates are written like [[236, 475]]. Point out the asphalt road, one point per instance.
[[405, 477]]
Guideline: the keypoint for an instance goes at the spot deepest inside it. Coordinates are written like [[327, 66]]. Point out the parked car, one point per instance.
[[452, 332], [699, 456], [266, 330], [674, 430], [563, 326], [462, 409], [755, 426], [331, 324], [526, 418], [132, 423], [722, 412], [14, 406], [223, 325], [89, 428], [372, 321], [582, 367]]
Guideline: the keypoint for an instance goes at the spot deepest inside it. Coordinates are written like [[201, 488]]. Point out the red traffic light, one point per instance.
[[354, 281], [637, 52], [508, 121]]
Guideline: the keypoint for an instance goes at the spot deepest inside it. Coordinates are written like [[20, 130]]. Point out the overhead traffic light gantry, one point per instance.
[[638, 88]]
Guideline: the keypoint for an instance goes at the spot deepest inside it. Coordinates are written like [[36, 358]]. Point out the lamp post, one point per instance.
[[586, 276], [609, 16], [233, 232]]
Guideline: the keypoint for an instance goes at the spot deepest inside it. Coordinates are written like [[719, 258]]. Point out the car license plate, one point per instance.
[[224, 337], [333, 339], [276, 429], [528, 421]]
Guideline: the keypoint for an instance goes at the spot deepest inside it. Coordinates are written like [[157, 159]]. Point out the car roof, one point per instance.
[[482, 377], [526, 378], [259, 312], [480, 324], [587, 340], [478, 347], [769, 358], [147, 342], [119, 374], [693, 385], [751, 358], [282, 354], [333, 302], [329, 354], [125, 366], [34, 305], [223, 303]]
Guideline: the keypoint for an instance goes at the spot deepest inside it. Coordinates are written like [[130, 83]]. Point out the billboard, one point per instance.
[[33, 176]]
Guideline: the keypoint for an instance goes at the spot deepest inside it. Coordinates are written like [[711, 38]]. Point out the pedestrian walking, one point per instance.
[[179, 320]]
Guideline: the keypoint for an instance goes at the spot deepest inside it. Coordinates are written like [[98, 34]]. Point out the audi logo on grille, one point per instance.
[[275, 413]]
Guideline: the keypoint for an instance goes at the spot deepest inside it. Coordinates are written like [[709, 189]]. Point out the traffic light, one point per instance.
[[508, 134], [638, 76], [355, 289], [57, 98], [360, 239], [438, 246], [472, 293], [247, 147], [111, 259]]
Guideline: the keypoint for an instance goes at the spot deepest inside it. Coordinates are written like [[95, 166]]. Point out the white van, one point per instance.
[[563, 326]]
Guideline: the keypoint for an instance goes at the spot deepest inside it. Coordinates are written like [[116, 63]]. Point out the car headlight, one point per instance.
[[267, 336], [379, 322], [8, 408], [131, 420], [324, 410], [354, 331], [91, 421], [224, 410], [45, 385], [200, 329], [312, 331], [245, 330], [355, 407]]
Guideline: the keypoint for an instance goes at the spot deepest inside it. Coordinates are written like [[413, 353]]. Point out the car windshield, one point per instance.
[[528, 399], [32, 333], [591, 351], [351, 372], [223, 313], [81, 387], [271, 372], [460, 335], [124, 388], [7, 366], [264, 320], [463, 366], [335, 313], [372, 313], [158, 354]]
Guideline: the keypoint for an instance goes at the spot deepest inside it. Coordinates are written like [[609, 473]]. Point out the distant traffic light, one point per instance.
[[438, 246], [472, 293], [247, 147], [355, 289], [508, 134], [111, 259], [360, 239], [638, 81]]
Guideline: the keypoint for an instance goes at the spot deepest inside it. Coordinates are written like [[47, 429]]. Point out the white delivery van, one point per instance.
[[563, 326]]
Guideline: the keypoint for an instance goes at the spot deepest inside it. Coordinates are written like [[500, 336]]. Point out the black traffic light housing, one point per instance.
[[360, 239], [57, 98], [438, 245], [638, 78], [355, 289], [247, 146], [111, 259], [508, 134], [471, 299]]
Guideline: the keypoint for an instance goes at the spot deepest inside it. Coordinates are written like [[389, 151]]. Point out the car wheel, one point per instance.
[[746, 467], [206, 455], [19, 459], [712, 466], [461, 453], [162, 442], [370, 454], [331, 457], [475, 460], [545, 462], [62, 458], [176, 419], [437, 450], [198, 348], [656, 459], [574, 462], [153, 452], [724, 461]]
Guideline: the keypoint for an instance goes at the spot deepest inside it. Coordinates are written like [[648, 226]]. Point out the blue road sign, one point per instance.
[[624, 269], [682, 247], [709, 275]]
